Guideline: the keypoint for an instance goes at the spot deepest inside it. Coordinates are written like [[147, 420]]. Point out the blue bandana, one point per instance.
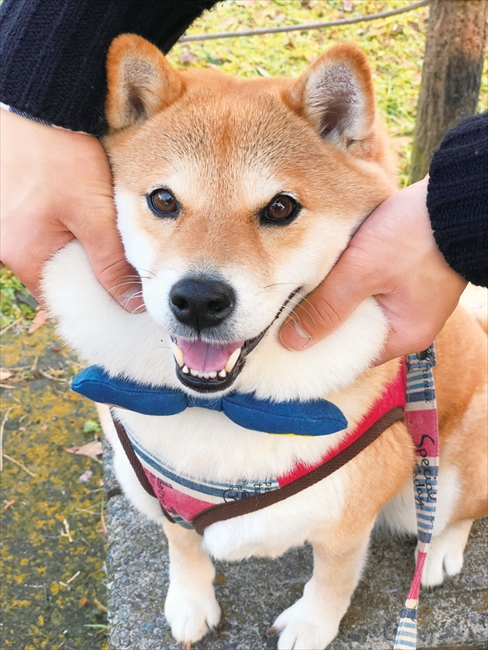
[[313, 418]]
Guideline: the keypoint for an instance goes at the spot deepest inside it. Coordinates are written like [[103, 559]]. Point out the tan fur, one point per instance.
[[462, 395], [203, 125]]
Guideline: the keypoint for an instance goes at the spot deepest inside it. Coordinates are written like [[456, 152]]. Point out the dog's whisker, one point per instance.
[[296, 318], [139, 269], [137, 309], [131, 275], [122, 284], [137, 294], [278, 284]]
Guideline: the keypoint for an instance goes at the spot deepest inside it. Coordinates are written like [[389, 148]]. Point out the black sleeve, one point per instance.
[[457, 199], [53, 52]]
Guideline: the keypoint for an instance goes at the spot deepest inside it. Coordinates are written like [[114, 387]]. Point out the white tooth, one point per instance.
[[212, 374], [194, 373], [205, 375], [222, 374], [185, 370], [178, 354], [200, 374], [232, 360]]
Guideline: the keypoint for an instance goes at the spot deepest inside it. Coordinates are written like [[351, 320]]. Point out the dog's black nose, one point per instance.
[[201, 303]]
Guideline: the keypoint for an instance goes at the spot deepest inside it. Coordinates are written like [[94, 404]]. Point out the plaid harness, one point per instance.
[[195, 503]]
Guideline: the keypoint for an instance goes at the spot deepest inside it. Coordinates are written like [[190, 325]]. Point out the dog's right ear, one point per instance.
[[140, 82], [336, 95]]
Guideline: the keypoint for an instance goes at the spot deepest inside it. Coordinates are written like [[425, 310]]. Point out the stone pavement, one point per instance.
[[254, 592]]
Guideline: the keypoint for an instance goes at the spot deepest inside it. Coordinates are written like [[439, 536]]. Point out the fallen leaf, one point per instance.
[[99, 606], [347, 5], [91, 426], [86, 476], [91, 449], [5, 374], [39, 320]]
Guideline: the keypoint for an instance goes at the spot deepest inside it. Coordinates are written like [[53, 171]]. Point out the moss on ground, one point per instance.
[[53, 532]]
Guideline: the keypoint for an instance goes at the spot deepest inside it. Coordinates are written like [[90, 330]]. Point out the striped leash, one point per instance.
[[421, 416]]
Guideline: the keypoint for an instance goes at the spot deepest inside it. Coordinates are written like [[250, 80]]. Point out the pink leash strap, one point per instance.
[[421, 417]]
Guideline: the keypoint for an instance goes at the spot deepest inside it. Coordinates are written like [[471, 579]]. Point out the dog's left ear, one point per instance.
[[336, 95], [140, 82]]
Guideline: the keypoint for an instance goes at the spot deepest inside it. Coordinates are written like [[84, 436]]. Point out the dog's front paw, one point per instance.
[[302, 628], [445, 557], [191, 615]]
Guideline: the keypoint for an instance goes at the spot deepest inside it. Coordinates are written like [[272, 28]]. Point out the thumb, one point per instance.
[[327, 306]]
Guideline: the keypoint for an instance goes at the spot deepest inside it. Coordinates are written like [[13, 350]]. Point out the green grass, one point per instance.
[[16, 303]]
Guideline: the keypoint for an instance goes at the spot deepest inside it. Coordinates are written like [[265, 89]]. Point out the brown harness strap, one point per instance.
[[135, 462], [224, 511]]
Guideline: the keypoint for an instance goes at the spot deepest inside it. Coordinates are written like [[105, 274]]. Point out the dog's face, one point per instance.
[[236, 197]]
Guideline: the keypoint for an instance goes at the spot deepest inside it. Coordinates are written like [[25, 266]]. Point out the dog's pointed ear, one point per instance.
[[336, 95], [140, 82]]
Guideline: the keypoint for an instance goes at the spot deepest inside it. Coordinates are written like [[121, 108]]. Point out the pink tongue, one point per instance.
[[206, 357]]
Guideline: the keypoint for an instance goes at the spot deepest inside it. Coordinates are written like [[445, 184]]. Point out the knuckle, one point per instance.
[[318, 316], [327, 316], [109, 271]]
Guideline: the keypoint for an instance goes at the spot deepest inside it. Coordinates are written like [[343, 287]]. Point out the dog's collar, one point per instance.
[[313, 418]]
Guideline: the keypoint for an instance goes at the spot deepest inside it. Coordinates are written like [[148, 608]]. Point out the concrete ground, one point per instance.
[[253, 593]]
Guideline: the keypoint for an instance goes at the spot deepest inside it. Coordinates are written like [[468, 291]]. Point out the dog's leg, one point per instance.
[[445, 556], [191, 607], [313, 621]]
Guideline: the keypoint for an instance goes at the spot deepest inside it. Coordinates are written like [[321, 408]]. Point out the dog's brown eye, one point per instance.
[[281, 210], [163, 203]]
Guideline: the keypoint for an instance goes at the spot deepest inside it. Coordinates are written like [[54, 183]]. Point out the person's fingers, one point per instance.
[[113, 271], [102, 243], [392, 257], [331, 303], [57, 185]]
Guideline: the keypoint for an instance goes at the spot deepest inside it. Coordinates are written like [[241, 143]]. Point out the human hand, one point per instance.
[[393, 257], [57, 186]]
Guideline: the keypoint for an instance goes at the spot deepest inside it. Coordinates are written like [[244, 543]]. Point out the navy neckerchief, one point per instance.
[[313, 418]]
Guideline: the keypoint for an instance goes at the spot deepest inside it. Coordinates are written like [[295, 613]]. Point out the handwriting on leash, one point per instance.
[[425, 475]]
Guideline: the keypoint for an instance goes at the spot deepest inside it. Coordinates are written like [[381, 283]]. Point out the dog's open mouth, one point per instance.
[[210, 367]]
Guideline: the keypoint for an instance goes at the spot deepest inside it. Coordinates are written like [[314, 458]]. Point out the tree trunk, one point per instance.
[[451, 74]]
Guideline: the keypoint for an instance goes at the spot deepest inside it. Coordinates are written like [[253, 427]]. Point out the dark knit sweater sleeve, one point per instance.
[[457, 199], [53, 52]]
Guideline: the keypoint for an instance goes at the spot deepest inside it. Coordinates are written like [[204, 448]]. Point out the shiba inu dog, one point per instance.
[[234, 200]]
